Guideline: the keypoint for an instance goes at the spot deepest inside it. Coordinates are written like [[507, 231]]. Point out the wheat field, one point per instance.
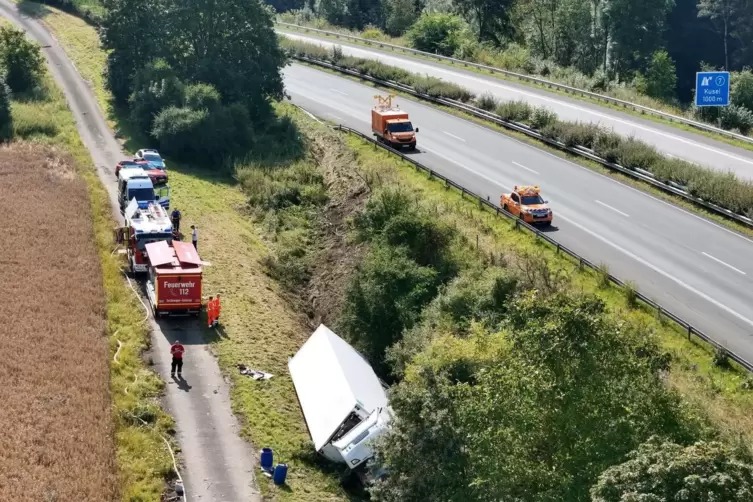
[[56, 438]]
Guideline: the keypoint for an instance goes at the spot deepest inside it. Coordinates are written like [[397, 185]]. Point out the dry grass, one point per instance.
[[57, 441]]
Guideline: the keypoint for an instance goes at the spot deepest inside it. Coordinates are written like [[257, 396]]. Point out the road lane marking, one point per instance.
[[550, 100], [453, 136], [524, 167], [723, 263], [490, 180], [341, 92], [336, 117], [661, 272], [613, 209]]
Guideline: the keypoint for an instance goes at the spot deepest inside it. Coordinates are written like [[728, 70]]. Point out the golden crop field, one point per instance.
[[56, 432]]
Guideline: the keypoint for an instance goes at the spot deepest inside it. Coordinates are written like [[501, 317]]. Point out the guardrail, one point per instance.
[[528, 78], [581, 151], [582, 262]]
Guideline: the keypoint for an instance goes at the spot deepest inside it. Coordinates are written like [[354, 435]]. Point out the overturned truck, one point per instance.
[[343, 401]]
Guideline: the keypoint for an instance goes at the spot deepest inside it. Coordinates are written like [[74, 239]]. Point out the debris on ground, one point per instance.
[[255, 374]]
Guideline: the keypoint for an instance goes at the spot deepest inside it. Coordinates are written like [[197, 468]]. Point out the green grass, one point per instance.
[[621, 93], [143, 459], [718, 392]]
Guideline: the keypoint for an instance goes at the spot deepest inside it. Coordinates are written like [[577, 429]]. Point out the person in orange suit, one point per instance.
[[217, 308], [210, 311]]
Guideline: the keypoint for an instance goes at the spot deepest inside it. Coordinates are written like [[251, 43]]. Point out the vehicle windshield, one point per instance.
[[141, 194], [400, 127], [532, 200], [143, 239], [152, 157]]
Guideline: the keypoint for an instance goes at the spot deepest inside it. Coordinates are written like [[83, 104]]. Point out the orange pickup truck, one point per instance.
[[391, 124], [526, 203]]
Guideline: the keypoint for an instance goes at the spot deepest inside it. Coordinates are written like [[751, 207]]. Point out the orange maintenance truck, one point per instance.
[[526, 203], [391, 124]]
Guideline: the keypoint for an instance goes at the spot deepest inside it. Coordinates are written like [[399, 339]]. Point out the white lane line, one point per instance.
[[554, 101], [661, 272], [336, 117], [341, 92], [490, 180], [453, 136], [524, 167], [723, 263], [613, 209]]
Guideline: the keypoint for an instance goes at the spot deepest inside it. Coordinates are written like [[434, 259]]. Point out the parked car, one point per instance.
[[152, 157]]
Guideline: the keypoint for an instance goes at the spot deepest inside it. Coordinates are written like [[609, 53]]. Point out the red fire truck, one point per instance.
[[174, 284], [143, 226]]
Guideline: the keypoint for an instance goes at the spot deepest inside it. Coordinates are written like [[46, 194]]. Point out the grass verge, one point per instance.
[[621, 93], [144, 463]]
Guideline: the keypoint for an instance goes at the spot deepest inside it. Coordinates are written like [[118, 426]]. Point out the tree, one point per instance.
[[134, 33], [664, 471], [741, 92], [156, 87], [720, 12], [661, 77], [538, 411], [399, 15], [635, 31], [22, 60], [491, 18], [230, 44], [438, 33]]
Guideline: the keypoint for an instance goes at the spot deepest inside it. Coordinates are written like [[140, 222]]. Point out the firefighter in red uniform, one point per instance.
[[210, 311], [176, 350]]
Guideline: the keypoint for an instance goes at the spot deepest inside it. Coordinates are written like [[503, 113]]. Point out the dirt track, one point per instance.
[[217, 464]]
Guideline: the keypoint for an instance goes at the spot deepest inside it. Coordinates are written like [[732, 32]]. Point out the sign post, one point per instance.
[[712, 89]]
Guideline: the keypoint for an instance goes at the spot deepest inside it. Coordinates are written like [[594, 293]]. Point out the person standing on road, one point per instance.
[[175, 217], [195, 237], [176, 350]]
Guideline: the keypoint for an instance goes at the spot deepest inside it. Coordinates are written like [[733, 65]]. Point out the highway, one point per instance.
[[695, 268], [669, 140]]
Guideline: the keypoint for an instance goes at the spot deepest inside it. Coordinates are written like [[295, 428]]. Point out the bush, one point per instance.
[[177, 130], [373, 33], [660, 80], [737, 117], [6, 118], [436, 33], [156, 87], [22, 60], [607, 145], [201, 97], [380, 210], [440, 89], [487, 102], [579, 134], [741, 93], [514, 111], [634, 153], [542, 117]]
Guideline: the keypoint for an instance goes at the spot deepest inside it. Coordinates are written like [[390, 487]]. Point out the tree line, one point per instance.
[[662, 41], [196, 77]]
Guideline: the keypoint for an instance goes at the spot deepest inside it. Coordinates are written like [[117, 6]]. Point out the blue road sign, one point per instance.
[[712, 88]]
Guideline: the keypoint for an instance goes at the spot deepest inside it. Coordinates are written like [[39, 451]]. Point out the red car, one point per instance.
[[158, 176]]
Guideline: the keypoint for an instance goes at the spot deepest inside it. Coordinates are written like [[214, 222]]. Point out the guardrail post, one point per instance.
[[690, 332], [558, 248], [659, 311]]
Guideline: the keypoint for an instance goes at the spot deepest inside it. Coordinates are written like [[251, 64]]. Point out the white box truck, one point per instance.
[[343, 401]]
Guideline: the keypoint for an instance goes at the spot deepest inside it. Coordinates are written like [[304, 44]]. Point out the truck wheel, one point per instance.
[[413, 147]]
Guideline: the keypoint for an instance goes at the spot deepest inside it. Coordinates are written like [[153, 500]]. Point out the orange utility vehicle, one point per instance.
[[174, 284], [526, 203], [391, 124]]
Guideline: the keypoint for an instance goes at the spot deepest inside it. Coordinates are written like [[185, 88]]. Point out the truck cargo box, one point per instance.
[[379, 118], [174, 277]]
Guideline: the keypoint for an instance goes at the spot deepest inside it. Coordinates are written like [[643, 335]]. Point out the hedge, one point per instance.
[[723, 189]]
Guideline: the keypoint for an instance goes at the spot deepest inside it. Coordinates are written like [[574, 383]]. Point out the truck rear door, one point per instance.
[[178, 291]]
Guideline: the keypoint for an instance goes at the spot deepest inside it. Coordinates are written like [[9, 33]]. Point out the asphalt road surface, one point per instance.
[[217, 464], [669, 140], [696, 269]]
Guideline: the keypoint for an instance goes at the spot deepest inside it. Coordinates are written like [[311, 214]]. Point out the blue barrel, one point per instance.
[[281, 472], [266, 459]]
